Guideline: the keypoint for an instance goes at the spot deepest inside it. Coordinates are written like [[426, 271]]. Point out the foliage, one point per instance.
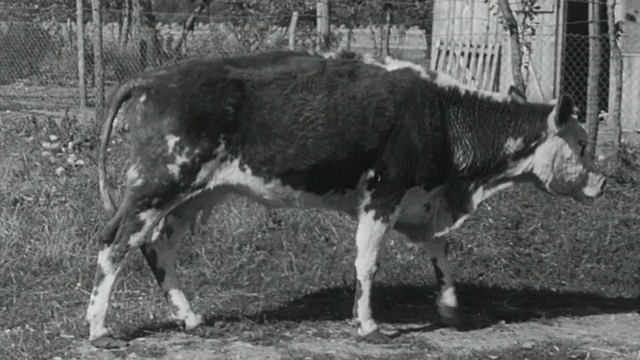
[[526, 28]]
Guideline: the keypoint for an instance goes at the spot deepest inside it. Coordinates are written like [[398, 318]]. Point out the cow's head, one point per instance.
[[560, 163]]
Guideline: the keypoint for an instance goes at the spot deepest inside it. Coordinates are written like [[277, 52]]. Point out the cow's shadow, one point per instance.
[[481, 307]]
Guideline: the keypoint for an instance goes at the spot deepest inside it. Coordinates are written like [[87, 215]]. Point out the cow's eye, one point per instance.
[[583, 146]]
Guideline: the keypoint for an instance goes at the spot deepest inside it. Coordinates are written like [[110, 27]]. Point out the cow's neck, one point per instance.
[[487, 139]]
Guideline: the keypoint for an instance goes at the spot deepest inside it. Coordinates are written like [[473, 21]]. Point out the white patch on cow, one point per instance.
[[134, 178], [369, 237], [149, 219], [183, 310], [440, 78], [240, 179], [392, 64], [157, 231], [448, 297], [172, 140], [180, 158], [143, 98], [484, 192], [174, 170], [99, 301], [512, 146]]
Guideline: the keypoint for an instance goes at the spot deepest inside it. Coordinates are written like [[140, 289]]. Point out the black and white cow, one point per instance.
[[387, 143]]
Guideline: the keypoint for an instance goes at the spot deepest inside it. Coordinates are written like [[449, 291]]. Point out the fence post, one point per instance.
[[595, 62], [385, 35], [615, 83], [96, 6], [322, 14], [292, 31], [80, 43]]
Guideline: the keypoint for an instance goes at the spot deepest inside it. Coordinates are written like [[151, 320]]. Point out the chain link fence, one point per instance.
[[576, 72]]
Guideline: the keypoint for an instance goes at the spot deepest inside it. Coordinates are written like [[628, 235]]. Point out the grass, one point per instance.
[[259, 274]]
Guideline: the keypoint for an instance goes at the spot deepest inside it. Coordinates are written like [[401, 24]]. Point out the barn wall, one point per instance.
[[630, 107], [474, 21]]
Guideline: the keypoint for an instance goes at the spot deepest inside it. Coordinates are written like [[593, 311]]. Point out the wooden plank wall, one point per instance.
[[630, 110], [472, 21]]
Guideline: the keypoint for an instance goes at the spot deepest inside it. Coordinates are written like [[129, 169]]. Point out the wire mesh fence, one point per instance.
[[39, 59], [576, 72]]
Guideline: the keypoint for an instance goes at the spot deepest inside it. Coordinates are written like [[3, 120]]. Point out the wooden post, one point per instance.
[[96, 6], [387, 32], [189, 24], [561, 33], [82, 87], [322, 15], [615, 83], [595, 61], [292, 31]]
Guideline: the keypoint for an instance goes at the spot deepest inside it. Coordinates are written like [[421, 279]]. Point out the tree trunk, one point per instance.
[[292, 31], [595, 62], [516, 48], [144, 34], [322, 14], [96, 6], [190, 23], [126, 22], [615, 84], [80, 43], [135, 19], [387, 33]]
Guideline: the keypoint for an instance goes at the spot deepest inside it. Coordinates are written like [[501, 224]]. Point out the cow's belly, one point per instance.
[[418, 207], [429, 209], [273, 193]]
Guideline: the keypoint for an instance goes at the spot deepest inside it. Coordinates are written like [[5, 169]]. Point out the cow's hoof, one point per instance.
[[108, 342], [193, 322], [449, 316], [375, 337]]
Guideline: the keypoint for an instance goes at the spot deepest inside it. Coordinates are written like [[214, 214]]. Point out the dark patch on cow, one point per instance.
[[169, 230], [100, 275], [357, 296], [458, 199], [427, 207], [439, 273], [151, 255]]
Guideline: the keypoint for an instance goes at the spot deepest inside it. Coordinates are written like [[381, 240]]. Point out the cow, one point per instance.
[[388, 143]]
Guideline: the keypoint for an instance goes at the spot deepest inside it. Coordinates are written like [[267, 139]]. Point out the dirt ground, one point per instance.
[[592, 337]]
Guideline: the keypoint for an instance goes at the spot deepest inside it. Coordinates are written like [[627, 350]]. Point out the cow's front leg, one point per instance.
[[447, 301], [373, 224]]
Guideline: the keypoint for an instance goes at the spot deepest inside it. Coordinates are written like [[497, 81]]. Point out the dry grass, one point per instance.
[[259, 274]]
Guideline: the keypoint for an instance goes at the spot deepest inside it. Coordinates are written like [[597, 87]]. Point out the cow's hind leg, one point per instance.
[[447, 301], [161, 255], [133, 228]]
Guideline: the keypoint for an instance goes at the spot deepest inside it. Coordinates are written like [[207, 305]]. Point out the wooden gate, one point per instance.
[[469, 43], [476, 65]]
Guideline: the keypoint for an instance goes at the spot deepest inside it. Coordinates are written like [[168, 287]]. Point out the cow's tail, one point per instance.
[[124, 93]]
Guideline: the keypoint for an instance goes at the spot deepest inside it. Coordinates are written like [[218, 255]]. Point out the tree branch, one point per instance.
[[190, 23], [516, 48]]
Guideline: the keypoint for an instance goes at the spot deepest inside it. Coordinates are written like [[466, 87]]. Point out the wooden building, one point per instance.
[[469, 42]]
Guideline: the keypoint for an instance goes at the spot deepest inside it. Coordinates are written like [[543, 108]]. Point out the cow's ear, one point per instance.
[[516, 95], [562, 114]]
